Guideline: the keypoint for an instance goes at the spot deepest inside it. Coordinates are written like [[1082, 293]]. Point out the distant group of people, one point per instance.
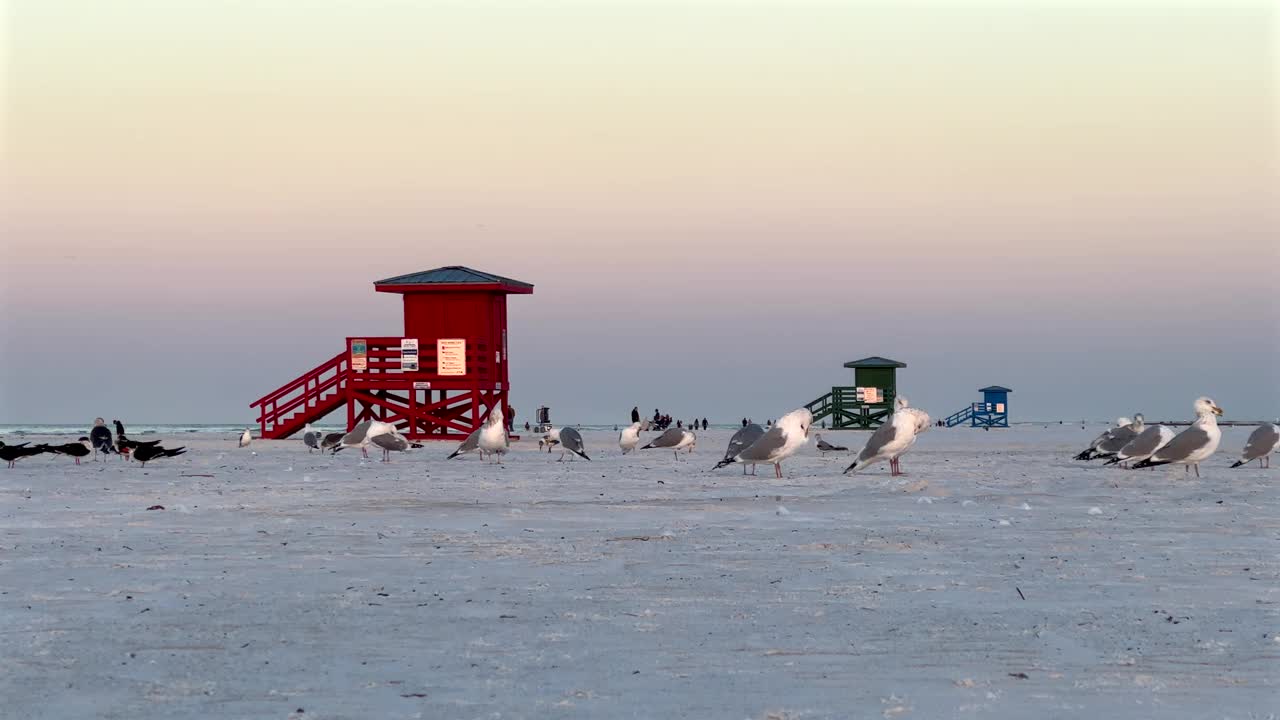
[[749, 421], [662, 421]]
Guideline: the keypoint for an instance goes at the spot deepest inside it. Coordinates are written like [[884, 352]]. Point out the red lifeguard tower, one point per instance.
[[437, 382]]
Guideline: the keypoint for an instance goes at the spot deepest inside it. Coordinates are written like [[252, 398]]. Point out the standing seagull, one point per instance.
[[331, 441], [100, 437], [1144, 446], [629, 438], [246, 438], [1087, 453], [780, 442], [571, 442], [358, 437], [1193, 445], [893, 438], [311, 439], [825, 447], [1119, 437], [551, 438], [740, 441], [387, 437], [675, 438], [1261, 443]]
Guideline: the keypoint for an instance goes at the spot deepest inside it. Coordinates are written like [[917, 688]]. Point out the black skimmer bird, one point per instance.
[[13, 453], [147, 453], [76, 450]]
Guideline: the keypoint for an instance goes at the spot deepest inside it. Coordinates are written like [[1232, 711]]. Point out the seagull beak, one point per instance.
[[1217, 410]]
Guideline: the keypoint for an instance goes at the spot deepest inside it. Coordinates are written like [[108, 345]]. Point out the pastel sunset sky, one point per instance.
[[719, 202]]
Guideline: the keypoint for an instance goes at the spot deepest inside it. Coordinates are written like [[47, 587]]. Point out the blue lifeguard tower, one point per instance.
[[993, 411]]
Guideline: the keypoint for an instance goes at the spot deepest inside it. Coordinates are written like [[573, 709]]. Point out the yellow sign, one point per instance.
[[451, 356]]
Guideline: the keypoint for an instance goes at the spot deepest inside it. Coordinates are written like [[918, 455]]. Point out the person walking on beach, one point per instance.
[[635, 414], [704, 424]]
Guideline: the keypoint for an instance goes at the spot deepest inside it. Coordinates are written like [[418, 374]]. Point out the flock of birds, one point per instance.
[[1130, 443], [752, 445], [98, 441], [1139, 445]]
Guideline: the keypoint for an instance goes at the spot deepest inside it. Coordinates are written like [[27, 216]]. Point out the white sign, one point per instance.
[[999, 407], [871, 396], [422, 386], [409, 354], [451, 356]]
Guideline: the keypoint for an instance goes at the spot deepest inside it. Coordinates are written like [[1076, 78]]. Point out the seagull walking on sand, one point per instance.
[[245, 438], [629, 438], [779, 442], [676, 439], [740, 441], [551, 438], [1261, 443], [490, 438], [310, 438], [1146, 444], [825, 447], [571, 443], [893, 438], [1195, 444]]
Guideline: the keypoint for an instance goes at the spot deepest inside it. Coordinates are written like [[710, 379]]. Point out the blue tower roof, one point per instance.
[[995, 388]]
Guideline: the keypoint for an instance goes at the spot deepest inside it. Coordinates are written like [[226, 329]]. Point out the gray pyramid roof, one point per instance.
[[453, 275], [875, 361]]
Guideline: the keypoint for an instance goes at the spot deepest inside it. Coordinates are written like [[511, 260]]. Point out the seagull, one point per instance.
[[100, 437], [76, 450], [358, 437], [551, 438], [825, 447], [1261, 443], [493, 434], [740, 441], [152, 452], [331, 441], [893, 438], [675, 438], [1088, 453], [1119, 438], [1144, 445], [246, 438], [490, 437], [779, 442], [310, 438], [1193, 445], [629, 438], [387, 437], [571, 442]]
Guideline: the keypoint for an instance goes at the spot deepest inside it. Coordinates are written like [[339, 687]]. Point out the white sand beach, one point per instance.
[[998, 578]]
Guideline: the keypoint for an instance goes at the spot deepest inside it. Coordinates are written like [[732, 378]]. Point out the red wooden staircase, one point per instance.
[[307, 398]]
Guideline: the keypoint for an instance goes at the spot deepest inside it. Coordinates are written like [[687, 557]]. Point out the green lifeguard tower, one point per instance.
[[865, 404]]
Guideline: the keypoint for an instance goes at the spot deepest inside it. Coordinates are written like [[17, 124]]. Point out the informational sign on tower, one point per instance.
[[409, 354], [359, 355], [451, 356]]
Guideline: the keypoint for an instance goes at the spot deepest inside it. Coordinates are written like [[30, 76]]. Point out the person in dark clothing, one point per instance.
[[679, 423], [704, 424], [119, 428], [744, 422], [526, 426], [635, 414]]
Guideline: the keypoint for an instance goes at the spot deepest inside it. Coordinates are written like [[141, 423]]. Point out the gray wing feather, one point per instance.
[[570, 439], [471, 443], [670, 438], [356, 436], [1260, 442], [388, 441], [764, 448], [742, 440], [1181, 446], [883, 435], [1144, 444], [1119, 438]]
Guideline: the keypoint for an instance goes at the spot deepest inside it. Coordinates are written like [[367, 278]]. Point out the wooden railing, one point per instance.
[[302, 392], [383, 365]]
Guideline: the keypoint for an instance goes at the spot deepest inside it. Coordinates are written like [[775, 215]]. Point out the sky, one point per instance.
[[718, 202]]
